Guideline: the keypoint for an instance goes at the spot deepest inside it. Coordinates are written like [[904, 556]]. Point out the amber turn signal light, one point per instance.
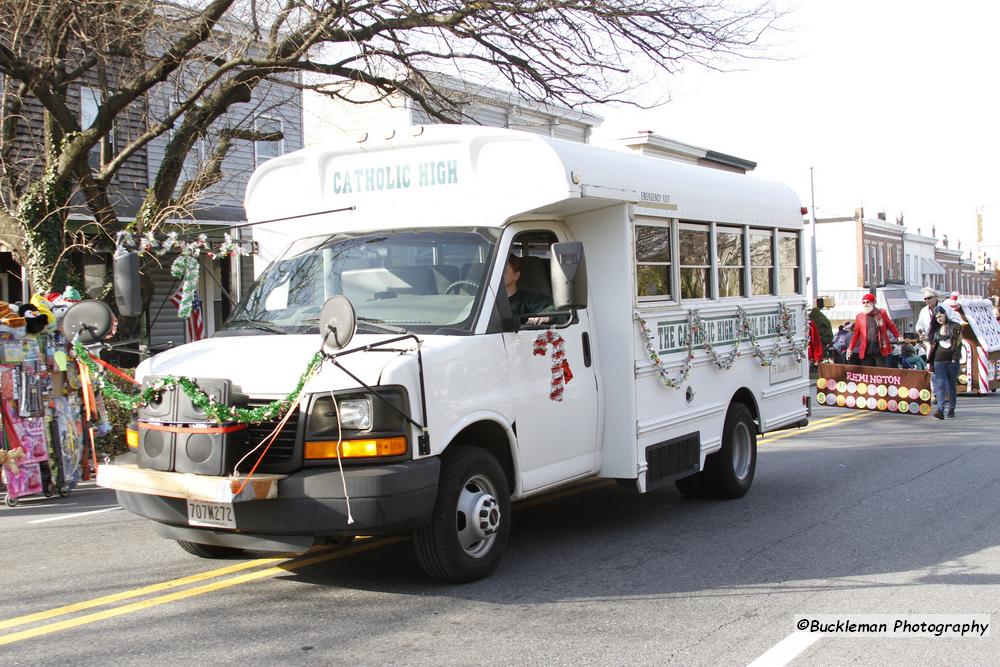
[[356, 449], [132, 438]]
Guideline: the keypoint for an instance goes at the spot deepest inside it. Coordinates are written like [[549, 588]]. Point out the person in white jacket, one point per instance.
[[924, 319]]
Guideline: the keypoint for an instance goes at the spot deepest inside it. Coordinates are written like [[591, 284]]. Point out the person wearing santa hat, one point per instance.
[[870, 338]]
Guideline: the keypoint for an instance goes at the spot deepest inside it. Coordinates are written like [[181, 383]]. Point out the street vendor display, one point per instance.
[[40, 417]]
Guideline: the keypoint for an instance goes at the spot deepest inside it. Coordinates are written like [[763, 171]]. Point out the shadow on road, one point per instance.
[[849, 505]]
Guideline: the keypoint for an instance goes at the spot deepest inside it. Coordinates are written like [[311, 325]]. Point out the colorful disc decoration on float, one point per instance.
[[882, 390], [852, 387], [893, 391], [891, 405], [925, 409], [914, 408], [821, 384], [851, 402], [841, 400], [861, 402], [821, 398], [882, 403], [925, 395], [914, 394], [903, 406], [841, 386], [862, 388], [872, 390]]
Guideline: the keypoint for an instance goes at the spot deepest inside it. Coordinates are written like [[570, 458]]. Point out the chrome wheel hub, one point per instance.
[[478, 516]]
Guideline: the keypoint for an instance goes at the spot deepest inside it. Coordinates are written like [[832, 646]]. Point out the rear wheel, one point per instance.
[[729, 472], [470, 523], [210, 550]]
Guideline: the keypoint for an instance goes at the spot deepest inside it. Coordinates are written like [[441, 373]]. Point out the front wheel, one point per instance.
[[210, 550], [729, 472], [471, 519]]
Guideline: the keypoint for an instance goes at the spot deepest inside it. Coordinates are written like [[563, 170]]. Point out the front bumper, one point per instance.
[[310, 506]]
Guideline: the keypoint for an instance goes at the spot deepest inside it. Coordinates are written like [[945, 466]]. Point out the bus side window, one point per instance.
[[761, 262], [652, 261]]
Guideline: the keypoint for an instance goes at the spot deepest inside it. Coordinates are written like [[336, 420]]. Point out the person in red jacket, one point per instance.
[[870, 340]]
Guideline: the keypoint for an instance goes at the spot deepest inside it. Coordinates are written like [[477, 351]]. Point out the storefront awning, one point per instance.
[[915, 295], [930, 267]]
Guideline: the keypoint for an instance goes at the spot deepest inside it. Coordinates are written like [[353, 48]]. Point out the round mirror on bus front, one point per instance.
[[92, 319], [337, 322]]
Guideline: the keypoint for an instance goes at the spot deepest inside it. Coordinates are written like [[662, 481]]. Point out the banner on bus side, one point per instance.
[[880, 389]]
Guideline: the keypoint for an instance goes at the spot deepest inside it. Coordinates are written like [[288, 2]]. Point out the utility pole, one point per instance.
[[812, 240]]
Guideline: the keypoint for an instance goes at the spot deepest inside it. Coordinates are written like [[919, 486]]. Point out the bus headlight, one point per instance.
[[355, 413]]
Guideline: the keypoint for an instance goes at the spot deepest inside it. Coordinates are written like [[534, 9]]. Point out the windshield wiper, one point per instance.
[[259, 325], [380, 324]]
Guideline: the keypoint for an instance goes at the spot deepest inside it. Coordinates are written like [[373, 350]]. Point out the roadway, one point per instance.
[[859, 513]]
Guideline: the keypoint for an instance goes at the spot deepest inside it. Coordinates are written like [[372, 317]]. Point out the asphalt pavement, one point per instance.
[[859, 513]]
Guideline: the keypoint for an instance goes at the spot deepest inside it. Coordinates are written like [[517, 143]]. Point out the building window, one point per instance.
[[195, 157], [761, 262], [868, 275], [788, 264], [105, 149], [652, 261], [265, 150], [694, 261], [729, 251]]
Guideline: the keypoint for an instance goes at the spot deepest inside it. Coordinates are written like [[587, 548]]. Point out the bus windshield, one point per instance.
[[421, 280]]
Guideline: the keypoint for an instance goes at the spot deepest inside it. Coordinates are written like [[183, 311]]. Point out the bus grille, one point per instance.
[[668, 459], [283, 447]]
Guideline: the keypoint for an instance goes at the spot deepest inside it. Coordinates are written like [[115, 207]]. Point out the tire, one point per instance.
[[729, 472], [9, 500], [210, 550], [451, 548], [692, 486], [64, 491]]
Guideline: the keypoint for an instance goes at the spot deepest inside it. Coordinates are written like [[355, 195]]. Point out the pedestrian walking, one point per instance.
[[870, 336], [946, 351]]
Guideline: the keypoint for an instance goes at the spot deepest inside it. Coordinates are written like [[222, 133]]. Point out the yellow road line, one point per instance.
[[289, 566], [145, 590], [283, 565], [826, 423]]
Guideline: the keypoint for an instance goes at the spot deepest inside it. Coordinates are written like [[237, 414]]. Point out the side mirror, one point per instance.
[[128, 296], [568, 270], [337, 322]]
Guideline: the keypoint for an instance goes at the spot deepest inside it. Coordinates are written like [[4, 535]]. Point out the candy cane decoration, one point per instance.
[[984, 372], [969, 364], [561, 374]]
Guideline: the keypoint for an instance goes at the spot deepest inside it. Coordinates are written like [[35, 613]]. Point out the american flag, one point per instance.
[[195, 325]]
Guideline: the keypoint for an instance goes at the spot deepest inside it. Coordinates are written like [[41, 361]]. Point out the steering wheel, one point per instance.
[[459, 284]]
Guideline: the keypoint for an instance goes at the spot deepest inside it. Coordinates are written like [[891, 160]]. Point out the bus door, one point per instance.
[[555, 409]]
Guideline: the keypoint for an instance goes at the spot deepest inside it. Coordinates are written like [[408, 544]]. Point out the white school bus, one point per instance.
[[664, 331]]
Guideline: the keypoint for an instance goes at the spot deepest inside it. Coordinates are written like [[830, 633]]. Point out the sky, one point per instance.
[[894, 105]]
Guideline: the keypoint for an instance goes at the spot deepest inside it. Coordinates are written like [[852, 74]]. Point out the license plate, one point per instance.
[[217, 515]]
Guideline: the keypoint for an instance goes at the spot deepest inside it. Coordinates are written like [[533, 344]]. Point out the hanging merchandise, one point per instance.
[[41, 430]]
